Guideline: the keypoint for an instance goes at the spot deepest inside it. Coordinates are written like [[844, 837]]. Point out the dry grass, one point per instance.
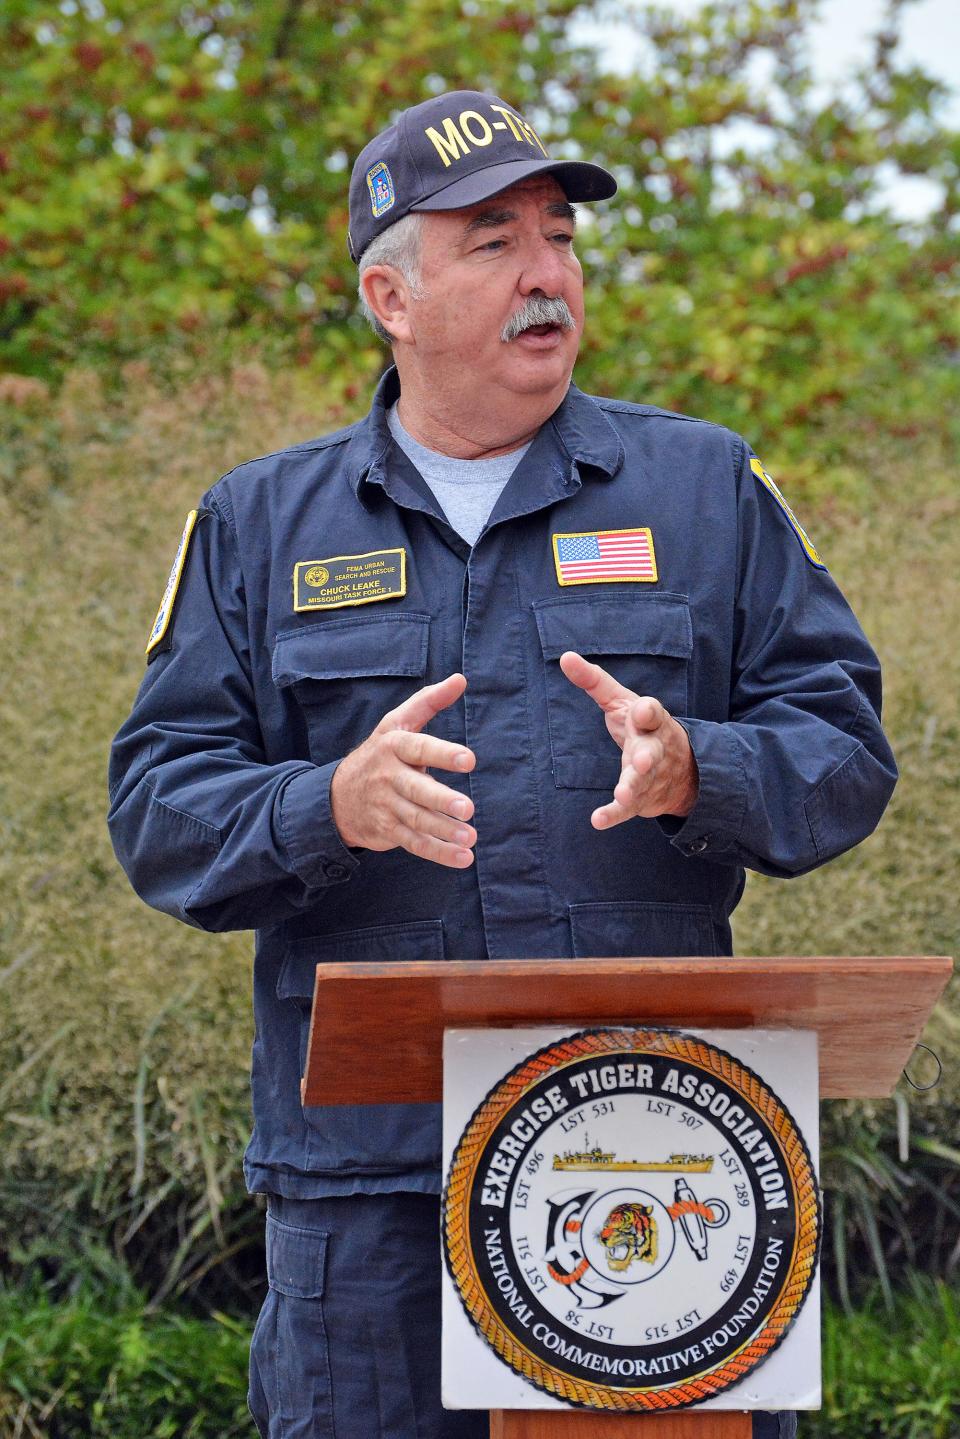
[[123, 1057], [899, 564], [125, 1034]]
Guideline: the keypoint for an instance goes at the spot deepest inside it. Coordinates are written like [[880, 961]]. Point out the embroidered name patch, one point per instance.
[[349, 580], [162, 623], [795, 524], [604, 557]]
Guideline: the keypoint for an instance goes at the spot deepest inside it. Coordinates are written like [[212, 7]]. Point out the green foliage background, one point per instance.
[[152, 335], [748, 268], [103, 1368]]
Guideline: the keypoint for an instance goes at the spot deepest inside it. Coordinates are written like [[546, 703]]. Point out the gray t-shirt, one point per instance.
[[466, 490]]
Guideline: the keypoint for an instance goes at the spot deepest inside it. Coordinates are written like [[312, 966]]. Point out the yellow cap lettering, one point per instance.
[[531, 135], [451, 145], [510, 118], [486, 134]]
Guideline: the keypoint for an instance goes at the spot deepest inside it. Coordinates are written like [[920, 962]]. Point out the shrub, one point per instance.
[[99, 1366], [891, 1376]]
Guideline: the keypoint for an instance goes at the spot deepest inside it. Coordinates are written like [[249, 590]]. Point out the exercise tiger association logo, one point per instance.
[[632, 1275]]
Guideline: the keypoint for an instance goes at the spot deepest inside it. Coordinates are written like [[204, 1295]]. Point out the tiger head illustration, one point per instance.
[[629, 1233]]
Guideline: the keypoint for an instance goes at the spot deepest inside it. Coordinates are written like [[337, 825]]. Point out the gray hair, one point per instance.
[[399, 246]]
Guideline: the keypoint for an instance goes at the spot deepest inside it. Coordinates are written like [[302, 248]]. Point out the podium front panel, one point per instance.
[[628, 1222]]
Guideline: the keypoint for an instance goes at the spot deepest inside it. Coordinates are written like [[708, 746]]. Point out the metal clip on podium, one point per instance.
[[867, 1013]]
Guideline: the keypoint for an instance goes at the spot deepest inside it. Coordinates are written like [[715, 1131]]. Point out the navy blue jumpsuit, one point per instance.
[[220, 779]]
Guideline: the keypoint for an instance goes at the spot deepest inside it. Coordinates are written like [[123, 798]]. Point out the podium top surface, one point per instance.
[[376, 1033]]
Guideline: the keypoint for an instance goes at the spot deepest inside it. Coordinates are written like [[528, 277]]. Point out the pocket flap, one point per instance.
[[352, 648], [296, 1259], [614, 928], [621, 625], [422, 939]]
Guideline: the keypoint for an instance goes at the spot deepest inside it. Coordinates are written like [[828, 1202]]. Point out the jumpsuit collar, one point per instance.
[[577, 434]]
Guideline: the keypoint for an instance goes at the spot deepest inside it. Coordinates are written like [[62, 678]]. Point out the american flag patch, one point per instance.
[[604, 556]]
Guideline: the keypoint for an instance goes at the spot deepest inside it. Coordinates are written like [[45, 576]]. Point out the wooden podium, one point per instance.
[[867, 1012]]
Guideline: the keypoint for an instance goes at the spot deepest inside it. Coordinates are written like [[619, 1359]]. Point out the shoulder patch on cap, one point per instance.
[[380, 184], [162, 623], [801, 534]]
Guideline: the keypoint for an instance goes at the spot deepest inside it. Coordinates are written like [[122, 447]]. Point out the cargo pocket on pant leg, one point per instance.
[[296, 1265]]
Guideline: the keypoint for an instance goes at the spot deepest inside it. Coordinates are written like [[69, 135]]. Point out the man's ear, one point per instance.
[[388, 295]]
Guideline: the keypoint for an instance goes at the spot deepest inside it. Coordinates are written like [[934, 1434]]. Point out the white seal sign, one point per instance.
[[632, 1219]]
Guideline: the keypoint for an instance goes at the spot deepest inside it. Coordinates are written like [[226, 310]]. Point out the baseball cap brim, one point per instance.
[[578, 179]]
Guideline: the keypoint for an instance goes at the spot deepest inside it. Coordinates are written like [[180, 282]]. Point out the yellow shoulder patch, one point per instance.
[[162, 623], [801, 534]]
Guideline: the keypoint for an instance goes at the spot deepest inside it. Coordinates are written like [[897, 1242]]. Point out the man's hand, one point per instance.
[[383, 798], [659, 772]]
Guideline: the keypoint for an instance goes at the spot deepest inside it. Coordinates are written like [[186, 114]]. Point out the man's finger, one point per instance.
[[426, 751], [628, 787], [610, 814], [637, 777], [429, 793], [594, 680], [421, 707], [432, 822], [646, 713], [642, 755], [453, 856]]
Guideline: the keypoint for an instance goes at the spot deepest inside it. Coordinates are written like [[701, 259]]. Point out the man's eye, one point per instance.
[[564, 237], [493, 245]]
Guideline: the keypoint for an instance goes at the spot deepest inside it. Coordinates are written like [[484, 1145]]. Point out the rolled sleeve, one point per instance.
[[715, 823], [308, 831]]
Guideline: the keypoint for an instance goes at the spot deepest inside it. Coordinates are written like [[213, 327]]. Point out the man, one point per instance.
[[501, 670]]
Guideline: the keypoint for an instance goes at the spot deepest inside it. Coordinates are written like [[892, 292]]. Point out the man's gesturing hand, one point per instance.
[[659, 772], [382, 796]]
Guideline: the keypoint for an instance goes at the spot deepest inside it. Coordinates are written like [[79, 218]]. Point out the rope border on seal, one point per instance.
[[456, 1198]]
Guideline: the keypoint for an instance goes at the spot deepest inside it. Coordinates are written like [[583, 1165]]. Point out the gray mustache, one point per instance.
[[538, 310]]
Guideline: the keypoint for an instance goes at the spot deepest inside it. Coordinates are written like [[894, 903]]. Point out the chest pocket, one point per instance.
[[645, 642], [346, 674]]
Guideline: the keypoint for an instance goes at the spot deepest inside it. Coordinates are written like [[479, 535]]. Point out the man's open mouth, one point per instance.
[[541, 316]]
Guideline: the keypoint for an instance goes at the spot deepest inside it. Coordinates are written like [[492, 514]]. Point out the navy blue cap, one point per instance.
[[450, 152]]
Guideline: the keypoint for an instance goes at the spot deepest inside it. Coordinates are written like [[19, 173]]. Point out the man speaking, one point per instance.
[[501, 670]]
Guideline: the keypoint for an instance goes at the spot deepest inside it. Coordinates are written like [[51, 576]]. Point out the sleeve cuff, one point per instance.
[[714, 824], [315, 851]]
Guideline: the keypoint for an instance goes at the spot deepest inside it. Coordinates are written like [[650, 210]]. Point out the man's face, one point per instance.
[[480, 266]]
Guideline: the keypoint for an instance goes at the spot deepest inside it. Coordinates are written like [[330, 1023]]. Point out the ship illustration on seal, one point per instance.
[[593, 1158]]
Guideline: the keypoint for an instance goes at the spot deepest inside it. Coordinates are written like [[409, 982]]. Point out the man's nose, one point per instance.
[[543, 269]]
